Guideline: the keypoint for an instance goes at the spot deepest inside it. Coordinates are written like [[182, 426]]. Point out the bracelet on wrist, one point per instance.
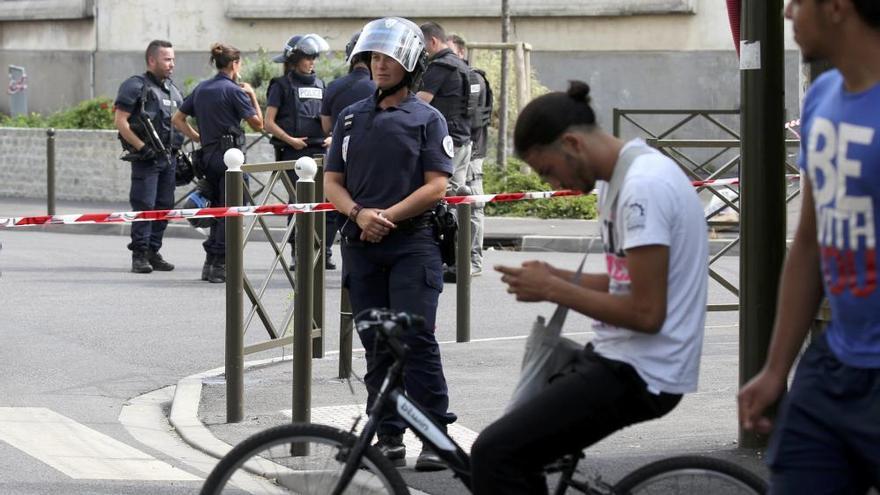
[[355, 210]]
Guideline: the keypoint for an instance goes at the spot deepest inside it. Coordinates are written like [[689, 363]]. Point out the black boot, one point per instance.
[[139, 262], [217, 272], [158, 263], [206, 268]]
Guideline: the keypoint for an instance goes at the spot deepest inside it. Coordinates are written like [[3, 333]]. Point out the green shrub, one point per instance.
[[513, 180], [29, 120], [96, 113], [331, 66]]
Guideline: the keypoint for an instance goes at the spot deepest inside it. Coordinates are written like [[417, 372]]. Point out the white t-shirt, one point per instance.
[[658, 205]]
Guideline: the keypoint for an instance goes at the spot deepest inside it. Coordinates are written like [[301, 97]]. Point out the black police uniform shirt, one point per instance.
[[348, 89], [384, 154], [442, 81], [217, 104], [169, 99]]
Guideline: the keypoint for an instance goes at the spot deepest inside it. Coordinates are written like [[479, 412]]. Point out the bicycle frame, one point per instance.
[[420, 422]]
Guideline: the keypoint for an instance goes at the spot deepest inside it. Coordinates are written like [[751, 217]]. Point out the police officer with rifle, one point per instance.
[[144, 106]]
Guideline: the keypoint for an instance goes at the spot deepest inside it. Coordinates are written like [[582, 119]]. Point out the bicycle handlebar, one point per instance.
[[389, 325]]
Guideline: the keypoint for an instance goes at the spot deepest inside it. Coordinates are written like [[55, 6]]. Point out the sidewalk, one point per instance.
[[480, 375]]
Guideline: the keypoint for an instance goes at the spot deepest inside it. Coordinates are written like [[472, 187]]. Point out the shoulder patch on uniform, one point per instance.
[[347, 121], [345, 148], [448, 146]]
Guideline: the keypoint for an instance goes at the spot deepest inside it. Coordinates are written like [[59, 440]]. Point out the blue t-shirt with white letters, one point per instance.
[[840, 152]]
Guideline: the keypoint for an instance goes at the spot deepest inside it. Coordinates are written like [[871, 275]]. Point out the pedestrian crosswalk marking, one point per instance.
[[79, 451], [342, 417]]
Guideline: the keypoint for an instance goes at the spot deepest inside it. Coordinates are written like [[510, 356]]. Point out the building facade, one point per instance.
[[635, 53]]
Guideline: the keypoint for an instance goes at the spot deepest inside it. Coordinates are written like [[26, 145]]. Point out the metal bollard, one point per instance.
[[346, 330], [319, 271], [463, 269], [233, 158], [303, 299], [50, 171]]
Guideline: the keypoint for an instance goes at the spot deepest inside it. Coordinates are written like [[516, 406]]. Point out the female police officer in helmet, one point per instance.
[[293, 109], [387, 168]]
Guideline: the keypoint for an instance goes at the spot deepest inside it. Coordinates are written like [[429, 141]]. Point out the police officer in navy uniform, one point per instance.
[[342, 92], [144, 106], [386, 170], [219, 105], [293, 110]]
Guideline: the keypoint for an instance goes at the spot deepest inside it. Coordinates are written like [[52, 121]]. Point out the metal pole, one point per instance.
[[463, 270], [320, 221], [50, 171], [303, 306], [346, 327], [234, 298], [519, 63], [503, 100], [762, 175]]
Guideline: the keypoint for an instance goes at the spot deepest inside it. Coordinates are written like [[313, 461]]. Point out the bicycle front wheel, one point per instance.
[[305, 459], [693, 475]]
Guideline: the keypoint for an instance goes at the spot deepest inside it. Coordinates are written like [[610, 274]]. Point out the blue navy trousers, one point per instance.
[[827, 435], [215, 175], [152, 188], [402, 272]]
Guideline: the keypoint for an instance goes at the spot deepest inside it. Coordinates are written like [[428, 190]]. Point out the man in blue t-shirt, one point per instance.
[[827, 434]]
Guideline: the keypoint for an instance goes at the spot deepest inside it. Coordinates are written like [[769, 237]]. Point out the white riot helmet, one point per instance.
[[398, 38], [310, 45]]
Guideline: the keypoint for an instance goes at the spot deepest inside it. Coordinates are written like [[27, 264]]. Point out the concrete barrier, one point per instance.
[[87, 164]]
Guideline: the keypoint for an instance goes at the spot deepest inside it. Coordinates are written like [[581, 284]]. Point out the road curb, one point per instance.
[[184, 415]]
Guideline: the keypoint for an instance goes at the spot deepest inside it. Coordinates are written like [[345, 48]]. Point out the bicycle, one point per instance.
[[318, 459]]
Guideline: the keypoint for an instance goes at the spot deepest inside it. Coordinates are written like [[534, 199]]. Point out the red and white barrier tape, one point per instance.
[[278, 209], [237, 211]]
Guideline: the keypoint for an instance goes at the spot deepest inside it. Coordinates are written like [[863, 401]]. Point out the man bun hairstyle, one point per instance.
[[549, 116], [153, 49], [222, 55], [869, 10]]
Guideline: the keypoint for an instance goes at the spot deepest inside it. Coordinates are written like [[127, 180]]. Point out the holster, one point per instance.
[[445, 230]]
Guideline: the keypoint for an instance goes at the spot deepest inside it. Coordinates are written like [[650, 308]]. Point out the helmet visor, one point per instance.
[[310, 45], [394, 37]]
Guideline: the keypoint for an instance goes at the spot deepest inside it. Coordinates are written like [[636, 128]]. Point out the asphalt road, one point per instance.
[[82, 337]]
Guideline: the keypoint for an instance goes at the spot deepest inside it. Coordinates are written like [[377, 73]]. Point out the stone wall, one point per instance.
[[87, 164]]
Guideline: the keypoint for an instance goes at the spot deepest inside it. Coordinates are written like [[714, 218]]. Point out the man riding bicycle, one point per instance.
[[649, 308]]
